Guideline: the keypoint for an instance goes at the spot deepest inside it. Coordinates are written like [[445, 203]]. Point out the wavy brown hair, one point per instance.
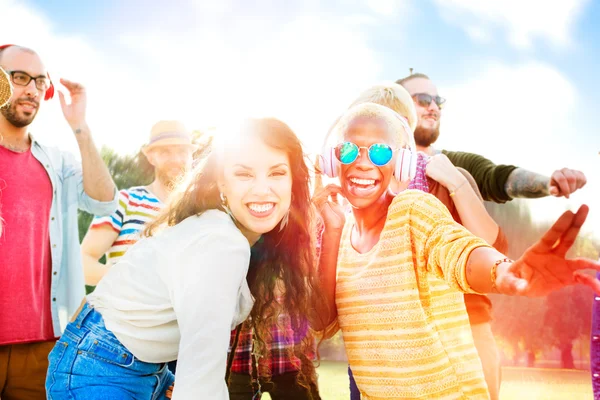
[[282, 263]]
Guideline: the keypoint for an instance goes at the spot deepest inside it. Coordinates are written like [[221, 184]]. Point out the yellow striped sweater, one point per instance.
[[401, 308]]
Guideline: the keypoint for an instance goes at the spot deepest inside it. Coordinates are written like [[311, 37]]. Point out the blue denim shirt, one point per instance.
[[67, 287]]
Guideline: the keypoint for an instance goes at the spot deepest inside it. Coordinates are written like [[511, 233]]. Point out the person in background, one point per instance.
[[497, 183], [169, 151]]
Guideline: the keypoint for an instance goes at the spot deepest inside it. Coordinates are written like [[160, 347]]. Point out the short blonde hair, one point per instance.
[[397, 124], [393, 96]]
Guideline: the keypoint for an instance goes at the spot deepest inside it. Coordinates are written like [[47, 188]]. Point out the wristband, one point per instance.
[[494, 270], [452, 193]]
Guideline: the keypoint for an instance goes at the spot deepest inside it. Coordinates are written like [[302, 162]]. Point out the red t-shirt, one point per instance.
[[25, 258]]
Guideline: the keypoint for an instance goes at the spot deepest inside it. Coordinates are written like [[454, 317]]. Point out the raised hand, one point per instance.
[[543, 267], [565, 181], [75, 111], [441, 169], [326, 201]]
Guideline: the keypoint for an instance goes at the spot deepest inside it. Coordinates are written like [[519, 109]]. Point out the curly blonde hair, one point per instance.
[[393, 96]]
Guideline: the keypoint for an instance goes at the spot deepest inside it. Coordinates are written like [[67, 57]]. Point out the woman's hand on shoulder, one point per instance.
[[441, 169]]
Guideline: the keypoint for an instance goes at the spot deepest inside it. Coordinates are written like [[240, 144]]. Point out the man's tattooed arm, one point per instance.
[[526, 184]]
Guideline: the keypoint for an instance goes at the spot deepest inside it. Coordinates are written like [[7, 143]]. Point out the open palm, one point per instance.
[[543, 268], [74, 112]]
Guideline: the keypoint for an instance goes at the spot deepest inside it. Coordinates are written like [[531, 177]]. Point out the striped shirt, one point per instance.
[[137, 206], [401, 309]]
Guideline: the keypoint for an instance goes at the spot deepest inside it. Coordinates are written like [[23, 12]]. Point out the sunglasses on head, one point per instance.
[[425, 100], [379, 153]]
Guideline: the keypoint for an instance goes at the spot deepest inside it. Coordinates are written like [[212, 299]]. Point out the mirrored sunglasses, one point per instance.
[[379, 153]]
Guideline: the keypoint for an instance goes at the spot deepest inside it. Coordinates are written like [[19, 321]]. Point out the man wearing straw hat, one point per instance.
[[42, 188], [169, 151]]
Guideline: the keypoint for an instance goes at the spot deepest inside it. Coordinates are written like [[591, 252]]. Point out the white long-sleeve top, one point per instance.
[[177, 295]]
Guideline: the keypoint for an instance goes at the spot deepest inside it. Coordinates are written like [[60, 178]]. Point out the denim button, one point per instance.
[[596, 375], [597, 298], [594, 338]]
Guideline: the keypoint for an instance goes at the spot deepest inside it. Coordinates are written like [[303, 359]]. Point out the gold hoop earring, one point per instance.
[[226, 206]]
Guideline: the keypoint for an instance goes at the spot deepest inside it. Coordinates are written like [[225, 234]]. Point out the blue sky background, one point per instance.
[[521, 76]]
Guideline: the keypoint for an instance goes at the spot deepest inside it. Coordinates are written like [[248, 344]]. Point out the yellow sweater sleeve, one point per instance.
[[440, 245]]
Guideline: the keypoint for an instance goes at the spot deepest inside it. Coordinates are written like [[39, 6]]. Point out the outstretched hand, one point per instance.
[[543, 267]]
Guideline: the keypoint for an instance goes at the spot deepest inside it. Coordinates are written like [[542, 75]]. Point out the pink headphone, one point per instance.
[[50, 90], [405, 164]]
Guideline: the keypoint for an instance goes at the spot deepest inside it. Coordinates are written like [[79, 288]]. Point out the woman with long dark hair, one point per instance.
[[178, 292]]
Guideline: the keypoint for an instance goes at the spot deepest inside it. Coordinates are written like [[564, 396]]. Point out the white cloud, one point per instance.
[[529, 106], [303, 72], [523, 115], [523, 20], [478, 33], [388, 8]]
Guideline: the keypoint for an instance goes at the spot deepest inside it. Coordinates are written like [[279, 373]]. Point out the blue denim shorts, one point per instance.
[[88, 362]]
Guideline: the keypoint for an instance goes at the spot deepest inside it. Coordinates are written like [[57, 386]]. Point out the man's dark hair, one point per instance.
[[402, 81]]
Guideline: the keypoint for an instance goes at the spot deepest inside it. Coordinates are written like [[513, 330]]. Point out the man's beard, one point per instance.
[[425, 137], [10, 113], [168, 180]]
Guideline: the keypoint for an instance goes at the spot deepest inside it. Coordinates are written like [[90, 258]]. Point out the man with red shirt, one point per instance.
[[41, 189]]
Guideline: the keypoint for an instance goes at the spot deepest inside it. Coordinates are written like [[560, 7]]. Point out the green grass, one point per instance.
[[545, 384], [517, 383]]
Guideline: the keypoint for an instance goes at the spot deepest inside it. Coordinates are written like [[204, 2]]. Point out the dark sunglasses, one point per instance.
[[379, 153], [425, 100]]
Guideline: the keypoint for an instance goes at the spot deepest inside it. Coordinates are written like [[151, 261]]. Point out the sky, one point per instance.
[[520, 76]]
